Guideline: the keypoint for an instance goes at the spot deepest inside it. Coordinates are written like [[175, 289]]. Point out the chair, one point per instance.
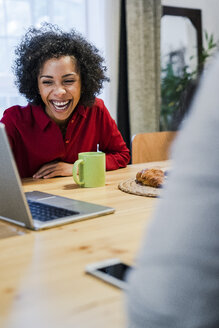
[[151, 147]]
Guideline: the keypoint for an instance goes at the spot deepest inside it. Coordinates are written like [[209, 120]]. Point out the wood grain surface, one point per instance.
[[42, 279]]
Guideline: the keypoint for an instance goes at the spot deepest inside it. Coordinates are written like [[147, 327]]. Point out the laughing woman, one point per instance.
[[60, 75]]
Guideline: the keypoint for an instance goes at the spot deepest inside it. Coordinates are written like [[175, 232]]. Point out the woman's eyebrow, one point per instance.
[[69, 74], [51, 77], [48, 76]]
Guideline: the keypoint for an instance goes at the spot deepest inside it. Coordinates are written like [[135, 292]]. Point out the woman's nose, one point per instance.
[[59, 90]]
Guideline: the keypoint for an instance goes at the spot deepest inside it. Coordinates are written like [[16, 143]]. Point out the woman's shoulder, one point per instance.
[[98, 109], [99, 105], [17, 112], [99, 102]]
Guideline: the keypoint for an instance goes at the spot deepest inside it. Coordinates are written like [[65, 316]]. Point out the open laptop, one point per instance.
[[36, 210]]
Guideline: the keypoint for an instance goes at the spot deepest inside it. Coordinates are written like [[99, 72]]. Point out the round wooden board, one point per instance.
[[132, 187]]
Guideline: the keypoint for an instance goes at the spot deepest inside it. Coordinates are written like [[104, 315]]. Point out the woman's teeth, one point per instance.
[[60, 105]]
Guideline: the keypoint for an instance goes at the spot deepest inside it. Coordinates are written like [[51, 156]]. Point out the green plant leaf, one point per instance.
[[173, 85]]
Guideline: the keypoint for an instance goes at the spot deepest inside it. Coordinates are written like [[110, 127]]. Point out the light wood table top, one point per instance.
[[42, 279]]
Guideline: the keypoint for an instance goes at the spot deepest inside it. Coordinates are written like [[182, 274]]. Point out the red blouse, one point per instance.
[[36, 139]]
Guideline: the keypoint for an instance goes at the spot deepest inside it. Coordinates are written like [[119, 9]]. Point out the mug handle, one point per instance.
[[74, 171]]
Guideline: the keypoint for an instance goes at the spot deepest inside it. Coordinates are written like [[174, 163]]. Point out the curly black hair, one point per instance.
[[49, 41]]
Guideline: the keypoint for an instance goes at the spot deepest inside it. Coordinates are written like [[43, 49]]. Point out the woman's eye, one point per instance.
[[69, 81], [47, 82]]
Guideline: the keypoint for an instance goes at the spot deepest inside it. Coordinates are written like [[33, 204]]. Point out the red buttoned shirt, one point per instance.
[[36, 139]]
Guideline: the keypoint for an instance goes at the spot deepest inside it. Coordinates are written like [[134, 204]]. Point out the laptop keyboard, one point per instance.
[[44, 212]]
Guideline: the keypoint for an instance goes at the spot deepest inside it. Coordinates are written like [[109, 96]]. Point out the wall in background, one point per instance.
[[103, 30]]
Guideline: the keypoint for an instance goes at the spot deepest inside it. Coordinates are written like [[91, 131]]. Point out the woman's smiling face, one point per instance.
[[59, 84]]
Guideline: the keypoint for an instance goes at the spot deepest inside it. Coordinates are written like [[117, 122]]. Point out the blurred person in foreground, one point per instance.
[[175, 283], [60, 74]]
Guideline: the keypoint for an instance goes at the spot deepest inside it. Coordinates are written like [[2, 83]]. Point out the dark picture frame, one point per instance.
[[195, 16]]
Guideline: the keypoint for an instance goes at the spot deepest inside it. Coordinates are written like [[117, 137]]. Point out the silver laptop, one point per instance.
[[36, 210]]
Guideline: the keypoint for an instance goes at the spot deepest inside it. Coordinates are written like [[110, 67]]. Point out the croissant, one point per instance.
[[151, 177]]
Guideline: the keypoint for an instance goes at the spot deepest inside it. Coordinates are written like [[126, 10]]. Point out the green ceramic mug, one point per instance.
[[91, 167]]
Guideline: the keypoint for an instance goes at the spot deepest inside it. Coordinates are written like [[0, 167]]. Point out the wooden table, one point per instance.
[[42, 279]]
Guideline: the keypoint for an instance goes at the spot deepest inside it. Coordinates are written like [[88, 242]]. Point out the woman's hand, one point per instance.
[[54, 169]]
